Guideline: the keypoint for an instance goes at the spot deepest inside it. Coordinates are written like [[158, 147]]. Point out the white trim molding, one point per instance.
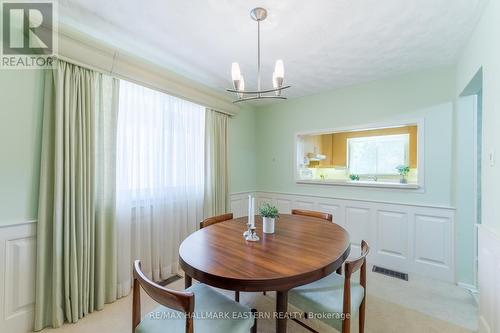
[[86, 51], [489, 279], [17, 276], [409, 238]]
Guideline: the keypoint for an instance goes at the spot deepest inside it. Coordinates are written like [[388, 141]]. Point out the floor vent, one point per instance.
[[170, 280], [390, 272]]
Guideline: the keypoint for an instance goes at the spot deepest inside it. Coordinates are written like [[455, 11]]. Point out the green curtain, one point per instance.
[[216, 199], [76, 245]]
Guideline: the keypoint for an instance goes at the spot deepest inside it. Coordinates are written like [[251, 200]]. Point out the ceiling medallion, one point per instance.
[[258, 14]]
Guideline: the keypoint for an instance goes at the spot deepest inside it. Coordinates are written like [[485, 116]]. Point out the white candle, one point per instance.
[[253, 212], [249, 208]]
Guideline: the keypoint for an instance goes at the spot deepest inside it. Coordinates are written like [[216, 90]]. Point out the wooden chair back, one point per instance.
[[215, 219], [350, 267], [176, 300], [311, 213]]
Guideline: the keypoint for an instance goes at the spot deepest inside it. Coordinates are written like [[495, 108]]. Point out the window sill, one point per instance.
[[361, 183]]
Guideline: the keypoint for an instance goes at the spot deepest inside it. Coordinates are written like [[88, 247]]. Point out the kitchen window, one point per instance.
[[377, 155]]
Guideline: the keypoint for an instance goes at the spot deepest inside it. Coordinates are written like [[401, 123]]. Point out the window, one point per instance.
[[160, 178], [377, 155], [160, 142]]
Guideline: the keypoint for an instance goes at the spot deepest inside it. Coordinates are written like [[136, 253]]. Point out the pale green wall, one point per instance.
[[427, 94], [21, 96], [483, 51], [463, 188], [430, 95], [242, 161]]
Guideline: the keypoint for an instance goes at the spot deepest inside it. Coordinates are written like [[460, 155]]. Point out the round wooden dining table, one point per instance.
[[302, 250]]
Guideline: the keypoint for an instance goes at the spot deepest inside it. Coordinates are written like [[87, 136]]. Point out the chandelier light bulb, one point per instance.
[[279, 69], [241, 86], [277, 83], [235, 71], [242, 83], [258, 15]]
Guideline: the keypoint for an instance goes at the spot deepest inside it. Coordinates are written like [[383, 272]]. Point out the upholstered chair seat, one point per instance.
[[208, 302], [335, 299], [326, 296], [198, 309]]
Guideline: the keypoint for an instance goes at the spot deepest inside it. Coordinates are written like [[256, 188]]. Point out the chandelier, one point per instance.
[[258, 14]]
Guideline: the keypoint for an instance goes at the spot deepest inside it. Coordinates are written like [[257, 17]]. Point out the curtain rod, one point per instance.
[[127, 78]]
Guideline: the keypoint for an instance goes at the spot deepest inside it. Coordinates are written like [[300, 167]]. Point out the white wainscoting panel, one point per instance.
[[392, 235], [334, 209], [357, 223], [429, 231], [489, 280], [239, 204], [408, 238], [17, 276]]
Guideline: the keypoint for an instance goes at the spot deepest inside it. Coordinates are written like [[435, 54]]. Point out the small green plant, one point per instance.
[[267, 210], [403, 170], [353, 177]]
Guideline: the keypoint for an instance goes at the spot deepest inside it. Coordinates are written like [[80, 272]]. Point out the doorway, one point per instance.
[[468, 152]]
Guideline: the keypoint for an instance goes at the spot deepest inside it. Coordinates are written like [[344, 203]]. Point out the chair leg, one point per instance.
[[254, 327], [346, 325], [362, 316], [237, 296], [264, 293], [188, 281]]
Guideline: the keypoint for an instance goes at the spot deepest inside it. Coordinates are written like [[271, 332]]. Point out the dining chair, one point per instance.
[[336, 294], [217, 219], [187, 311], [311, 213], [319, 215]]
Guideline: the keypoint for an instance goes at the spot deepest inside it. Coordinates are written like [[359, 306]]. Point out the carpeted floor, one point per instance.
[[382, 317]]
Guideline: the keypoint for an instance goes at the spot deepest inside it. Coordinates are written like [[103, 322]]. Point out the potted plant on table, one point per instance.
[[269, 215], [403, 171]]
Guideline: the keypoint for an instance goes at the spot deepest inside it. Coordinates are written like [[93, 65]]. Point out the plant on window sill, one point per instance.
[[403, 171]]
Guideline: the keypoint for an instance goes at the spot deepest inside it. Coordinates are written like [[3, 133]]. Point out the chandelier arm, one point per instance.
[[257, 91], [257, 97]]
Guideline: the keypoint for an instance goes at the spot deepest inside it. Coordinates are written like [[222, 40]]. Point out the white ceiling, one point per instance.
[[325, 44]]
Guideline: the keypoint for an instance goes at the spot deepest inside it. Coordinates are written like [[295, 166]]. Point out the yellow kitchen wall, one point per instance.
[[335, 145]]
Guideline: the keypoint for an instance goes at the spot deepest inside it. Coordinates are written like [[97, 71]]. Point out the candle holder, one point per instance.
[[251, 235]]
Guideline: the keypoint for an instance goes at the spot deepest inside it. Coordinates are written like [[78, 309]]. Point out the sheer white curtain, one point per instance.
[[160, 179]]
